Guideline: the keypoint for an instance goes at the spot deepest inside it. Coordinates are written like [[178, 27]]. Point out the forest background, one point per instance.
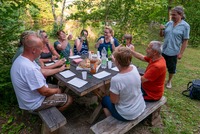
[[141, 18]]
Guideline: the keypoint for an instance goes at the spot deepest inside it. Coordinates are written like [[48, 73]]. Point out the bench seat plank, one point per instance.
[[113, 126], [53, 118]]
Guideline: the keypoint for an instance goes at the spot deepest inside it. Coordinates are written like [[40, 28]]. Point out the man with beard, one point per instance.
[[176, 35]]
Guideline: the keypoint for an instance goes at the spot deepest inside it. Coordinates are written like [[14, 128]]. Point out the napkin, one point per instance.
[[77, 60], [48, 64], [115, 69], [101, 74], [77, 82], [67, 74], [74, 57]]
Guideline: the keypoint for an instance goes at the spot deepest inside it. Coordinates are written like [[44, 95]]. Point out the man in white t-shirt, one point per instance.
[[30, 86]]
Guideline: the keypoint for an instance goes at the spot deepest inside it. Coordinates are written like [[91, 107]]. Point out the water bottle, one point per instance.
[[103, 58]]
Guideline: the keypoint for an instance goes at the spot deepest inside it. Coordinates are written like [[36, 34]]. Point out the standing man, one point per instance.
[[153, 79], [176, 35], [30, 86]]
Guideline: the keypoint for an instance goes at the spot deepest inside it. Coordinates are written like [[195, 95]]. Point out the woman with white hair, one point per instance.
[[176, 35]]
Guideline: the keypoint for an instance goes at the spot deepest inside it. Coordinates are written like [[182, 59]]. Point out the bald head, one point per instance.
[[32, 47]]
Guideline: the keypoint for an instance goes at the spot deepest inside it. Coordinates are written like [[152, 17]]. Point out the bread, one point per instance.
[[86, 63]]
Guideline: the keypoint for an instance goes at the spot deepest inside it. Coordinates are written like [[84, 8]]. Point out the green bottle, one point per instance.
[[61, 55], [124, 42], [109, 54], [67, 64]]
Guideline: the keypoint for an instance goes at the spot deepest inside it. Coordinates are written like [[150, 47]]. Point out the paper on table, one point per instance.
[[115, 69], [74, 57], [48, 64], [101, 74], [77, 82], [67, 74]]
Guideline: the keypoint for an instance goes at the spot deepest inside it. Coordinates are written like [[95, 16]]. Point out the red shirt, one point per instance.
[[155, 74]]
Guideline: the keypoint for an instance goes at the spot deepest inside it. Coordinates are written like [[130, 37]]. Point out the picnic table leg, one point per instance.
[[95, 114], [100, 92]]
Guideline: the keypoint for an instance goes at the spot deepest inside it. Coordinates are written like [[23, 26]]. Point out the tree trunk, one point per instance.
[[53, 11], [62, 13], [169, 9]]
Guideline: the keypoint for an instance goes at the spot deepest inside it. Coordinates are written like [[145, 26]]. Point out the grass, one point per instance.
[[180, 115]]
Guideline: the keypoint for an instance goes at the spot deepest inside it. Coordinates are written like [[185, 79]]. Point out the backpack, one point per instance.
[[193, 89]]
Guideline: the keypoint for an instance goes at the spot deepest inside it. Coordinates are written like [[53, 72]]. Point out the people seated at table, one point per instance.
[[153, 79], [81, 45], [128, 41], [108, 40], [125, 101], [48, 52], [30, 86], [39, 62], [62, 45]]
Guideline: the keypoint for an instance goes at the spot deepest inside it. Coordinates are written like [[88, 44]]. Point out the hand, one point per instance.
[[179, 56], [54, 57], [162, 27], [62, 68], [111, 40], [60, 62], [116, 48], [70, 37], [59, 91]]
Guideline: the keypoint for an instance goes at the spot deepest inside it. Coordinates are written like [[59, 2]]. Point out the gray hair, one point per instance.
[[157, 46], [24, 35], [180, 11]]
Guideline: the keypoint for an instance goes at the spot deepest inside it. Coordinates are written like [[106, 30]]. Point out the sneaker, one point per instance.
[[169, 85]]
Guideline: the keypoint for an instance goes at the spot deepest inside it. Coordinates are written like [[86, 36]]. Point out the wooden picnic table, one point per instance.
[[93, 84]]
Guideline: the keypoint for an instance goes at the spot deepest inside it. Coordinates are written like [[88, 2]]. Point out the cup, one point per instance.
[[102, 40], [109, 64], [84, 75], [98, 55]]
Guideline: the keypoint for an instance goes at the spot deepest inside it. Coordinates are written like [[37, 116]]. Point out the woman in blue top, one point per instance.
[[62, 45], [107, 40], [81, 45]]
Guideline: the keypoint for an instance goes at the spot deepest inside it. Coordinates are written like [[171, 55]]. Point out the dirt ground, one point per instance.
[[78, 114]]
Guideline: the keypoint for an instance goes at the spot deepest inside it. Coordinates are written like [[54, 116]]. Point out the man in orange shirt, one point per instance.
[[153, 79]]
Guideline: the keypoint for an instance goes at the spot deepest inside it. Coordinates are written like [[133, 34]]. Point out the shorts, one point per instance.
[[171, 62], [56, 100], [106, 103]]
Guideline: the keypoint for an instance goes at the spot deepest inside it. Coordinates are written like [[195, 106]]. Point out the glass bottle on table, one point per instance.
[[109, 54], [93, 65], [67, 64], [103, 58]]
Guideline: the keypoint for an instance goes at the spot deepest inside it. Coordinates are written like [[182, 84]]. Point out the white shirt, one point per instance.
[[26, 79], [128, 86]]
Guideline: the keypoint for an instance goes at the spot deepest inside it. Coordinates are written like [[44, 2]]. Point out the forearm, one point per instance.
[[184, 45], [138, 55], [48, 72], [97, 45], [45, 91]]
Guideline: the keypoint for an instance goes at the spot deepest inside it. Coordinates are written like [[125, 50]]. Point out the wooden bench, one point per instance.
[[52, 120], [111, 125]]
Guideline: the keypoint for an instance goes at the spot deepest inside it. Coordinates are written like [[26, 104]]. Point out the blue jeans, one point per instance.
[[106, 103]]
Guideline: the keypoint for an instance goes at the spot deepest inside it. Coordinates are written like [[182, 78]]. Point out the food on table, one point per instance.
[[86, 63]]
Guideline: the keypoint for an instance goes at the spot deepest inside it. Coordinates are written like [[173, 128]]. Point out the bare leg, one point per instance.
[[67, 104], [169, 82], [107, 112]]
